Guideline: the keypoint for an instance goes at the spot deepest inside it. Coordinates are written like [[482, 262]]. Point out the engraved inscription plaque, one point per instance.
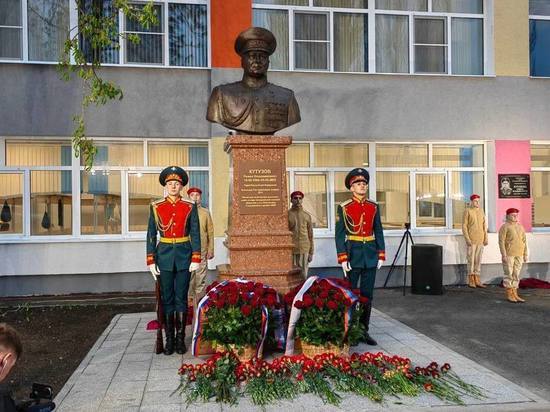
[[261, 188]]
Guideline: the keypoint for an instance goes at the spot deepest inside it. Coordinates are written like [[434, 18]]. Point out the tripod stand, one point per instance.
[[406, 237]]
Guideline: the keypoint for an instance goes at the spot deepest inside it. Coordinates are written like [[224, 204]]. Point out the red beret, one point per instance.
[[296, 193], [512, 210], [194, 190], [474, 196]]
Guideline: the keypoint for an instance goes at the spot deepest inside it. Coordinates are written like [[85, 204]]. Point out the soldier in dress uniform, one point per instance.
[[360, 240], [197, 286], [513, 248], [175, 255], [474, 229], [299, 223]]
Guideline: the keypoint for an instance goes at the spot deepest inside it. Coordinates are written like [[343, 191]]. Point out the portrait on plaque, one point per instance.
[[514, 186]]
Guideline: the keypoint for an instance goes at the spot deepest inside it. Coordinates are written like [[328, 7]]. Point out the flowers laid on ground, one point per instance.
[[234, 314], [373, 375], [329, 314]]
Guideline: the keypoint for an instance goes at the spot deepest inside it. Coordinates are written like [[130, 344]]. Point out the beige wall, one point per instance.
[[511, 37], [220, 185]]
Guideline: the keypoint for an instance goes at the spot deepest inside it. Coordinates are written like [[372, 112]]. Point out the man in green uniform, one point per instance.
[[176, 254], [197, 287], [474, 229], [513, 248], [360, 240], [299, 223]]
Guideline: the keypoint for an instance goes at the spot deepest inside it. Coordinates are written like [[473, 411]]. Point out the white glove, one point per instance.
[[154, 271], [346, 266], [194, 266], [379, 265]]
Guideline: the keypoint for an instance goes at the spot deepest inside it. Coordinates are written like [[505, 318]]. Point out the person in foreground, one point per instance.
[[513, 248], [176, 254], [360, 240]]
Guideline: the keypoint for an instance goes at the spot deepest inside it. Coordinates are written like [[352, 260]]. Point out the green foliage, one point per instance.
[[321, 326], [99, 29], [229, 326]]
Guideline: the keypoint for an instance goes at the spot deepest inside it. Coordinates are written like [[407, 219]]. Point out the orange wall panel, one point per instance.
[[228, 19]]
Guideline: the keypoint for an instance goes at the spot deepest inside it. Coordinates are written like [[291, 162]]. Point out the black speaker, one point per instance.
[[427, 269]]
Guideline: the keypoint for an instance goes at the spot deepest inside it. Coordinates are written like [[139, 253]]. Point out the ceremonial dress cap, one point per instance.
[[512, 210], [474, 196], [194, 190], [357, 175], [173, 173], [255, 38], [296, 193]]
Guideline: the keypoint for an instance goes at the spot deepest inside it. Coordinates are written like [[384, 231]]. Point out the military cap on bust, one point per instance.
[[255, 38], [173, 173], [357, 175]]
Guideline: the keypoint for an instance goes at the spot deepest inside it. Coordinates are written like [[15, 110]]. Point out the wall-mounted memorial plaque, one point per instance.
[[514, 186], [261, 191]]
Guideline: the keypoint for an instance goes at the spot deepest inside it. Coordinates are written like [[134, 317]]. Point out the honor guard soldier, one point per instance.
[[474, 229], [197, 286], [513, 248], [175, 255], [360, 240], [299, 223]]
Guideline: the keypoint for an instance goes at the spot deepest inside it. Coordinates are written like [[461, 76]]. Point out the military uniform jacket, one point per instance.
[[179, 244], [299, 223], [359, 234], [206, 229], [512, 240], [474, 227]]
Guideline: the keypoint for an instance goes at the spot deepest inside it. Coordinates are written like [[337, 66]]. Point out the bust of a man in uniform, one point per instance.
[[252, 105]]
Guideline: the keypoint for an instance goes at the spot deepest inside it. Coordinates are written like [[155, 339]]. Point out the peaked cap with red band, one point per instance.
[[173, 173], [194, 190], [357, 175]]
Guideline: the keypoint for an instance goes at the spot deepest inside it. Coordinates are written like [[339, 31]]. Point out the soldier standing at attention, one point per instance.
[[360, 240], [513, 248], [197, 286], [177, 253], [299, 223], [474, 229]]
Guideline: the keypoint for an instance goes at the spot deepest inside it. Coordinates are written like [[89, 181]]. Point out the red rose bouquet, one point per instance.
[[329, 313], [236, 313]]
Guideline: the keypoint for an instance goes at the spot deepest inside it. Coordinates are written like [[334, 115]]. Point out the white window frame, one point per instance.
[[536, 17], [24, 35], [486, 16], [539, 169], [73, 24], [445, 46], [76, 169]]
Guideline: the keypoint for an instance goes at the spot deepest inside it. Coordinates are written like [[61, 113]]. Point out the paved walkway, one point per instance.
[[121, 373]]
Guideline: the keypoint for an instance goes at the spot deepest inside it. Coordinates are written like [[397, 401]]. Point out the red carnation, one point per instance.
[[324, 285], [299, 304], [220, 303], [332, 305], [255, 301], [271, 300], [319, 303], [356, 292], [289, 298], [233, 299], [323, 294], [363, 299], [246, 309], [245, 296], [249, 286]]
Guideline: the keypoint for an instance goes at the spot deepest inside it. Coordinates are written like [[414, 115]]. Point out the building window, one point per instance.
[[114, 195], [11, 27], [11, 203], [540, 184], [447, 36], [180, 37], [441, 178], [539, 37]]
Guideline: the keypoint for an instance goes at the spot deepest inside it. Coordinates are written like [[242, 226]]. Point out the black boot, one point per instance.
[[365, 320], [181, 320], [169, 332]]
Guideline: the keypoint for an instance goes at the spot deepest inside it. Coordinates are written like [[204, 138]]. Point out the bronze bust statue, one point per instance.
[[252, 105]]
